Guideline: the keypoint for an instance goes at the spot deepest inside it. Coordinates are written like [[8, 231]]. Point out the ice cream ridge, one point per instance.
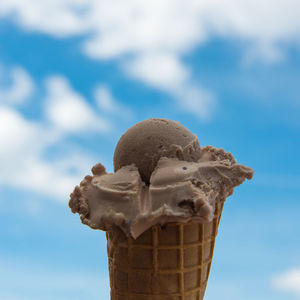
[[160, 209]]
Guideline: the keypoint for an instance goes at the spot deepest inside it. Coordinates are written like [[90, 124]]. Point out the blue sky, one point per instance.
[[74, 75]]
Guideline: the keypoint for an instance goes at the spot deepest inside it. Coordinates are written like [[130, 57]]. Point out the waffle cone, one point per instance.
[[170, 262]]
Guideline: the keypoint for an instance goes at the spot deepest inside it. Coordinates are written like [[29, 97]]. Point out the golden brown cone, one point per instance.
[[170, 262]]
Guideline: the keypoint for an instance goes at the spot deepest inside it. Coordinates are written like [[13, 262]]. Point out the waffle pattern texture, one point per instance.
[[170, 262]]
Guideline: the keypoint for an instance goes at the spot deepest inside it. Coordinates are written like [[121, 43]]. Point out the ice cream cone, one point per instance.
[[161, 210], [170, 262]]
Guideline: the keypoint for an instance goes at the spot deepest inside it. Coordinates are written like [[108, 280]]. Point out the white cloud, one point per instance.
[[161, 70], [177, 26], [196, 100], [167, 73], [67, 110], [19, 88], [149, 37], [108, 104], [40, 15], [173, 25], [24, 142], [17, 134], [21, 157], [136, 27], [288, 281]]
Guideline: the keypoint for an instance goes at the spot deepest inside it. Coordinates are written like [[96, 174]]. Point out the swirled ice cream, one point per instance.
[[161, 175]]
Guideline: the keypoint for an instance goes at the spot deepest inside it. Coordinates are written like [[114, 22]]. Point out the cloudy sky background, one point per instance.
[[75, 74]]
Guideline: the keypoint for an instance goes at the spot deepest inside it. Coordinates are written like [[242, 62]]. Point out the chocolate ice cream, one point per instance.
[[161, 176], [146, 142]]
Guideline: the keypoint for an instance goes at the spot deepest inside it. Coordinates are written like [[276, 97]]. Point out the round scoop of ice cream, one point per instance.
[[146, 142]]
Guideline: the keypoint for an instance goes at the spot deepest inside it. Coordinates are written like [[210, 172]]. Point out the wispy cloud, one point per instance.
[[118, 28], [39, 16], [108, 103], [165, 71], [24, 141], [288, 281], [161, 70], [16, 85], [149, 38], [67, 110]]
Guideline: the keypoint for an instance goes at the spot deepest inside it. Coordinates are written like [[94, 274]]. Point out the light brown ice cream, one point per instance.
[[164, 177], [146, 142]]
